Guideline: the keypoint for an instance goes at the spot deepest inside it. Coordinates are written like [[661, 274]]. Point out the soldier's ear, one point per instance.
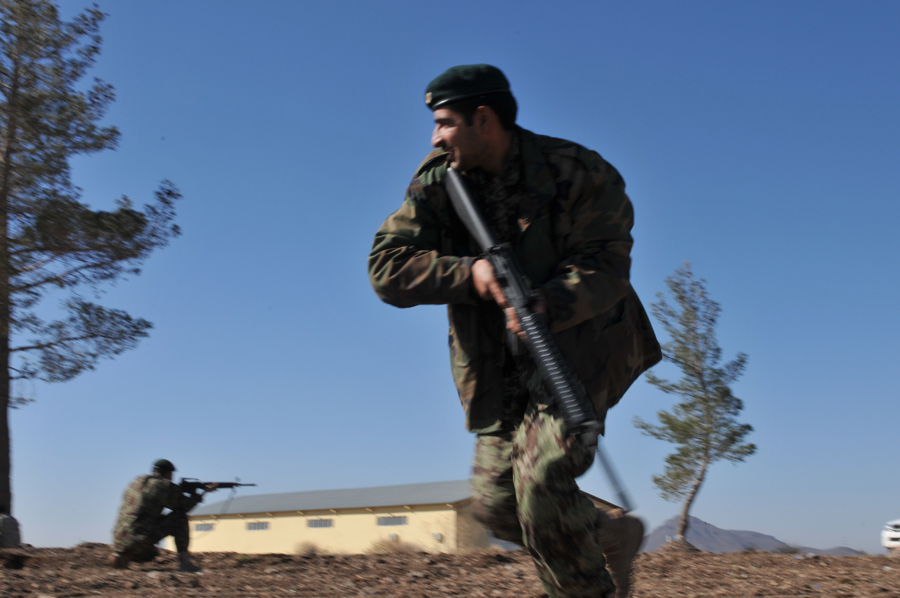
[[483, 117]]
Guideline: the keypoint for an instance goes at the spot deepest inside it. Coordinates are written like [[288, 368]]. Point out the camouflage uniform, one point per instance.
[[141, 523], [564, 211]]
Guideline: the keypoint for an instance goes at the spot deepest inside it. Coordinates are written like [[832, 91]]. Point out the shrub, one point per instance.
[[307, 549], [386, 545]]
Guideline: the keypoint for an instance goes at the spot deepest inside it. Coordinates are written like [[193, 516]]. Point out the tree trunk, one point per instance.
[[5, 453], [681, 529], [8, 150], [5, 316]]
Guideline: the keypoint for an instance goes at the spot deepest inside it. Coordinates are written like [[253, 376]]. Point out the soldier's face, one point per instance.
[[464, 142]]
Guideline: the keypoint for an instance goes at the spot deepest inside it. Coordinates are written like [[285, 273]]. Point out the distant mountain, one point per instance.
[[713, 539]]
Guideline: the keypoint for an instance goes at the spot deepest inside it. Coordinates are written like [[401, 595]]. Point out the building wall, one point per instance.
[[430, 528]]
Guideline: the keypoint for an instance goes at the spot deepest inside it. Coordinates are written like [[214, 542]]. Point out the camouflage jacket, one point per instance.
[[142, 506], [574, 243]]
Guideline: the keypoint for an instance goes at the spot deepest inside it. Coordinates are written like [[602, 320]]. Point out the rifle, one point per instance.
[[191, 485], [573, 403]]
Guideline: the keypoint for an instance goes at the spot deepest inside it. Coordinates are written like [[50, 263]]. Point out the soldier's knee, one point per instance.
[[178, 516]]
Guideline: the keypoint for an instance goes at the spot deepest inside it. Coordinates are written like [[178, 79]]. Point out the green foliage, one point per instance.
[[703, 424], [50, 241]]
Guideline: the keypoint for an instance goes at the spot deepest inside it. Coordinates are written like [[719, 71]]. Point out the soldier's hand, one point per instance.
[[211, 487], [486, 285], [539, 307]]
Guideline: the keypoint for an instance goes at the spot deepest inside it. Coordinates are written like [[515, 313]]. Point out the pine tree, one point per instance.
[[702, 424], [51, 242]]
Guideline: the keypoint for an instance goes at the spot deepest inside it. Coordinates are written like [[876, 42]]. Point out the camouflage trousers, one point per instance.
[[524, 491], [140, 544]]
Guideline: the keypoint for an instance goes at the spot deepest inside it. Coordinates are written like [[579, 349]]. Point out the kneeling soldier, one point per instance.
[[141, 523]]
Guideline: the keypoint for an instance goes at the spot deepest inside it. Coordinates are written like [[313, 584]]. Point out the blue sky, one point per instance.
[[760, 141]]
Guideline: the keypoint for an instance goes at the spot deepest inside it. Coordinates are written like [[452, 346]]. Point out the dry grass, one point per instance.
[[82, 572]]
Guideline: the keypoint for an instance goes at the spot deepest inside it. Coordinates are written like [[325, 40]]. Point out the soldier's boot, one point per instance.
[[144, 556], [118, 561], [186, 565], [620, 536]]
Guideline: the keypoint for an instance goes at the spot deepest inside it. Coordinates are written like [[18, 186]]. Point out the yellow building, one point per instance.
[[433, 517]]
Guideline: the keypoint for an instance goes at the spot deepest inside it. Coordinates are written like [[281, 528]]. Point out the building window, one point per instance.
[[203, 527], [392, 520], [257, 525], [320, 523]]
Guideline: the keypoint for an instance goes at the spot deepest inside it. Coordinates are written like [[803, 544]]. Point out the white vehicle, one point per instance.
[[890, 535]]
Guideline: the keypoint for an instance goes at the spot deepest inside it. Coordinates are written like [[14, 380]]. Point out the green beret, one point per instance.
[[163, 465], [464, 82]]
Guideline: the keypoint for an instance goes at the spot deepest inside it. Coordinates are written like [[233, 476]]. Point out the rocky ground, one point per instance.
[[81, 571]]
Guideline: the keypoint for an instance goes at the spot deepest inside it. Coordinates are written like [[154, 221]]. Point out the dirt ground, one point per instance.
[[81, 571]]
